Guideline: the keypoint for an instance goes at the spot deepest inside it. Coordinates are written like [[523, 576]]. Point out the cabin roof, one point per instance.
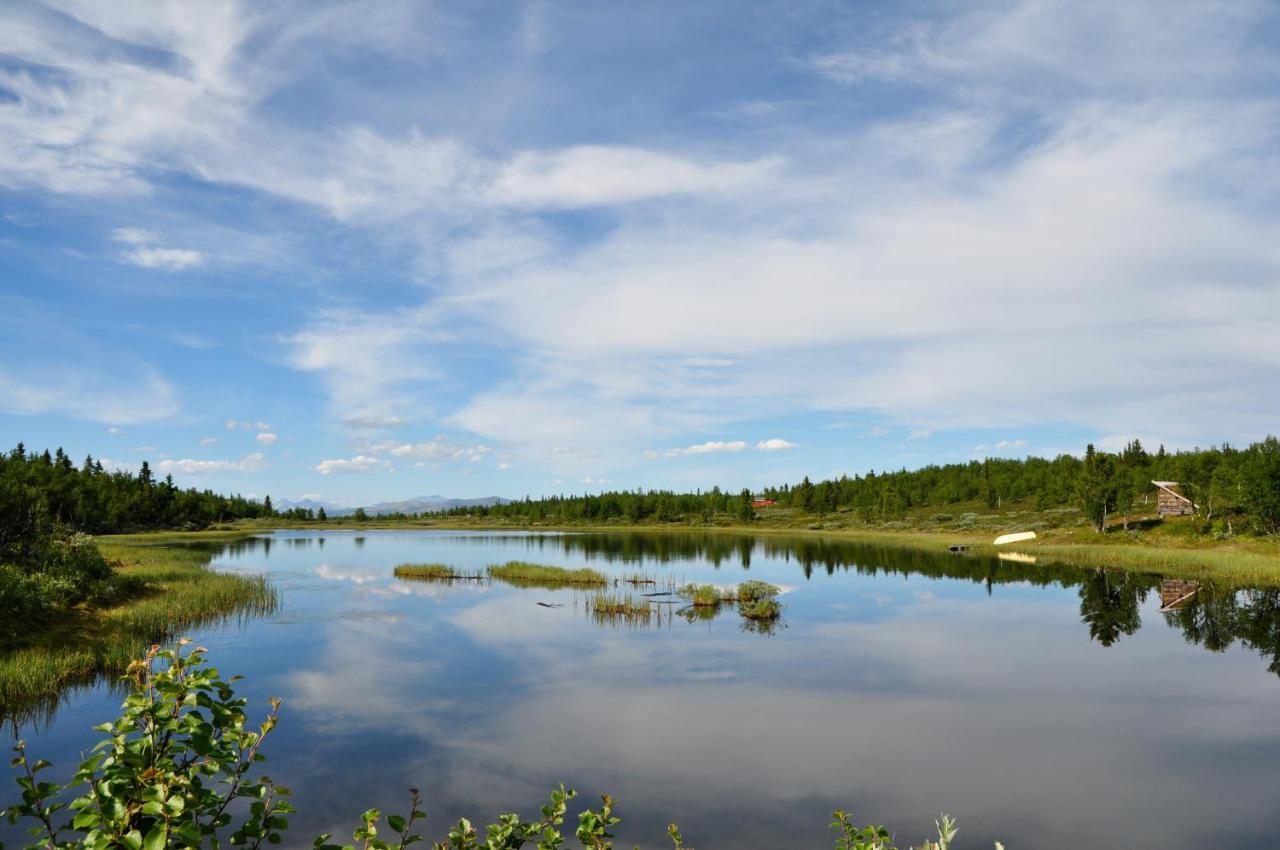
[[1168, 486]]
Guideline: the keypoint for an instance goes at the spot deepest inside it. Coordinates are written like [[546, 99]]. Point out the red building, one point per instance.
[[763, 503]]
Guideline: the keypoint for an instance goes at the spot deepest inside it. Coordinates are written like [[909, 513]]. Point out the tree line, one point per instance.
[[50, 488], [1233, 490], [1238, 489]]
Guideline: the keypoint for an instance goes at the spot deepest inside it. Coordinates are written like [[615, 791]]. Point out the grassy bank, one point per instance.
[[163, 590]]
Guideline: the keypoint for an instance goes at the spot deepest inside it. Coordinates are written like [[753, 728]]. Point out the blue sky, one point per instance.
[[372, 250]]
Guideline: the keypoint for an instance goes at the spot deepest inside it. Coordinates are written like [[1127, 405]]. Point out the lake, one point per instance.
[[1042, 706]]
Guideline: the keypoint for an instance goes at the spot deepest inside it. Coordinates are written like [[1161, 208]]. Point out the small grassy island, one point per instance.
[[540, 575], [434, 572]]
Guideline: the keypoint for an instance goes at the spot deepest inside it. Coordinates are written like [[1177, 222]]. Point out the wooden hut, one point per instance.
[[1177, 593], [1169, 502]]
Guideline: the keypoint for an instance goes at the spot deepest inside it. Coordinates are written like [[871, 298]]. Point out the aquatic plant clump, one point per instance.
[[704, 595], [625, 608], [434, 572], [175, 770], [540, 575], [761, 609], [751, 591]]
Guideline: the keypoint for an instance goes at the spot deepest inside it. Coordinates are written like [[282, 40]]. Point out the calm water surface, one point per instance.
[[1046, 707]]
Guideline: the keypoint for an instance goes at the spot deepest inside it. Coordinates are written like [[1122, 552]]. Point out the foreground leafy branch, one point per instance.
[[176, 770]]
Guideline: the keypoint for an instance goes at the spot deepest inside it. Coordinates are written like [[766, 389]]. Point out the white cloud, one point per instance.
[[1011, 444], [114, 431], [370, 423], [148, 255], [1128, 221], [244, 425], [134, 236], [441, 448], [208, 441], [255, 462], [707, 448], [85, 393], [592, 175], [267, 438], [359, 463], [775, 444], [168, 259], [369, 362], [1138, 203]]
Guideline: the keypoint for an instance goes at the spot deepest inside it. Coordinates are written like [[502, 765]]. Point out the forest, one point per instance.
[[45, 487], [1233, 489], [1238, 488], [51, 567]]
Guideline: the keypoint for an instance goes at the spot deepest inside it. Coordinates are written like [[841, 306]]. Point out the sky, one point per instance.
[[364, 251]]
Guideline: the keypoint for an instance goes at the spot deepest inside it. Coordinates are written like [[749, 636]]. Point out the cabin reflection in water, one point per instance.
[[1176, 594]]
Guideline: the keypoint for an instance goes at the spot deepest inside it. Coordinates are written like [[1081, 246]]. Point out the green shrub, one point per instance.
[[26, 599], [750, 591], [761, 609], [75, 557]]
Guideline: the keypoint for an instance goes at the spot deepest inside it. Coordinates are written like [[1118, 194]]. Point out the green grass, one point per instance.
[[525, 574], [165, 592], [434, 572]]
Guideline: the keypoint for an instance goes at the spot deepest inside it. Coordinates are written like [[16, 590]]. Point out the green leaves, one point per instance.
[[147, 785]]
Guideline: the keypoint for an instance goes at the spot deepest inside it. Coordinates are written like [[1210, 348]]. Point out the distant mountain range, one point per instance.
[[416, 505]]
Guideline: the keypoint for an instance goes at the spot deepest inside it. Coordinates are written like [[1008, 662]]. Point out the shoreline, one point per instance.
[[171, 589], [1242, 561]]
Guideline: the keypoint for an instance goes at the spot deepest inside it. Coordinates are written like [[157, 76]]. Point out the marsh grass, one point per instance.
[[1233, 565], [161, 591], [622, 608], [435, 572], [523, 574]]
